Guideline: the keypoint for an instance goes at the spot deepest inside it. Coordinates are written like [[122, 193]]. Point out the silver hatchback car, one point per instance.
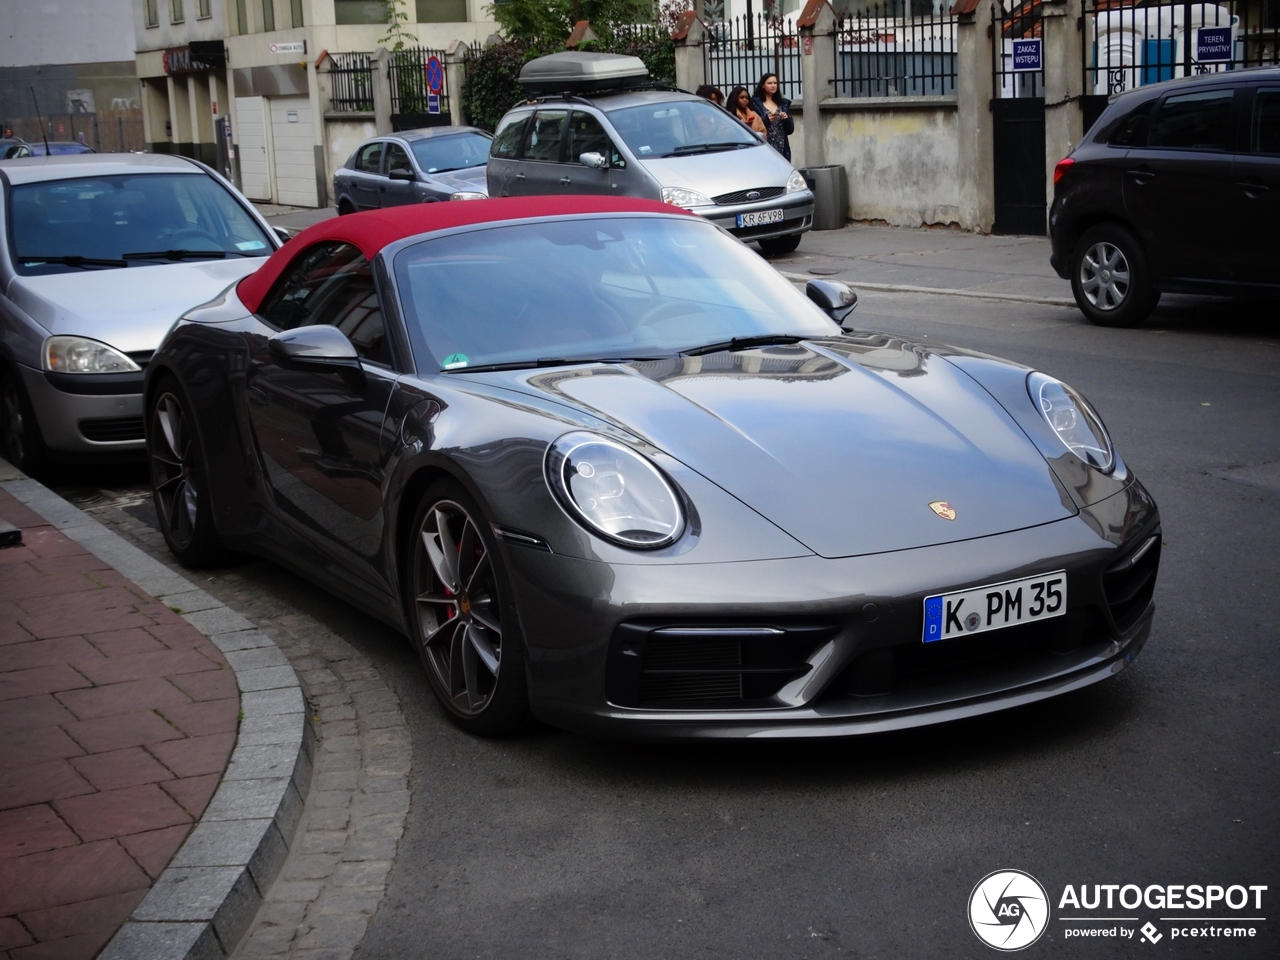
[[101, 253], [651, 143]]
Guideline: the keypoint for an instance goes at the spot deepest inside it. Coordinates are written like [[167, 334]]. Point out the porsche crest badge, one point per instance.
[[943, 509]]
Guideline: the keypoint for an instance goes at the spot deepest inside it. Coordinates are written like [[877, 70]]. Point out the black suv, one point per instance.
[[1175, 188]]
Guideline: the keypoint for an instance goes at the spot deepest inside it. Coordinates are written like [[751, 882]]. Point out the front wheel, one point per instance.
[[778, 246], [179, 482], [23, 445], [1109, 277], [461, 615]]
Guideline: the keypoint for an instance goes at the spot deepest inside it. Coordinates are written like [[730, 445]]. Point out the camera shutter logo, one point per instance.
[[1008, 910]]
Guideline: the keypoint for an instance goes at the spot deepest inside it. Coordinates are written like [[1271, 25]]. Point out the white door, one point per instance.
[[293, 142], [254, 137]]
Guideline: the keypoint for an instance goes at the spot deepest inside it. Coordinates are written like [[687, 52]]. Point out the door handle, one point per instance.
[[1253, 188], [1141, 175], [519, 176], [565, 181]]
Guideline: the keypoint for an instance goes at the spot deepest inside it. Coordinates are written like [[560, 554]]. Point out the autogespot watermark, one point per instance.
[[1010, 910]]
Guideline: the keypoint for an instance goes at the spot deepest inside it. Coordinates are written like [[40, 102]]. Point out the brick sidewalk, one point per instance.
[[116, 721]]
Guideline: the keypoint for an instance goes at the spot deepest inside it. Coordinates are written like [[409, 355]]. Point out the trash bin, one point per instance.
[[830, 186]]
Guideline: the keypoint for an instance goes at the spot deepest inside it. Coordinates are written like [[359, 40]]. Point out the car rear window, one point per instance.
[[142, 219], [1192, 121]]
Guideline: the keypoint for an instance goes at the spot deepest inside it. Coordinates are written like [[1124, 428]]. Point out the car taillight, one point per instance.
[[1060, 171]]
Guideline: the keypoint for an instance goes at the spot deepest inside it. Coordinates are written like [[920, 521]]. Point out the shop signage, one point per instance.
[[178, 60], [293, 46]]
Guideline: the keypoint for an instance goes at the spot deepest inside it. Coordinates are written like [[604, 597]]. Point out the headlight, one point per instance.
[[685, 198], [614, 491], [81, 355], [1073, 420], [468, 195], [796, 182]]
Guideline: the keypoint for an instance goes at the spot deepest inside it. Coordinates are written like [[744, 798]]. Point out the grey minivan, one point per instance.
[[658, 144]]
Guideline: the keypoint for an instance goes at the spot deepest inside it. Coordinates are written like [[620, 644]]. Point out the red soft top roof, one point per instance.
[[375, 229]]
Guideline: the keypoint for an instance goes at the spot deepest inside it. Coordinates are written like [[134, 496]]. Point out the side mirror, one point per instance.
[[836, 299], [317, 347], [401, 173], [595, 161], [283, 233]]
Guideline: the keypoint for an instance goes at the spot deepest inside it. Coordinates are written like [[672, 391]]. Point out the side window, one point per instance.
[[1192, 121], [1265, 137], [544, 135], [506, 142], [587, 135], [397, 158], [331, 283], [369, 158], [1123, 130]]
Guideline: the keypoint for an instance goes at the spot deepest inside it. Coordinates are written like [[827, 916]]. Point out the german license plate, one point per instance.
[[966, 612], [760, 218]]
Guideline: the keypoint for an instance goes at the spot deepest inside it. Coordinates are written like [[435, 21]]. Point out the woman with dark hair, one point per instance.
[[740, 106], [775, 111], [709, 92]]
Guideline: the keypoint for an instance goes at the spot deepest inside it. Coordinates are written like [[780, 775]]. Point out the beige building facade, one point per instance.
[[234, 83]]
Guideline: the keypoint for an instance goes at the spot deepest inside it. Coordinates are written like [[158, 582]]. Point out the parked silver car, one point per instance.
[[100, 255], [415, 166], [635, 141]]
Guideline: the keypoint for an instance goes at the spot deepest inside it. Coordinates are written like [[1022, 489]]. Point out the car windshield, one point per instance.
[[677, 127], [141, 219], [441, 154], [593, 288]]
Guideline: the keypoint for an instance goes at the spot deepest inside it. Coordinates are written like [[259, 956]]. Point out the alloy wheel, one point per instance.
[[1104, 276], [170, 449], [14, 425], [455, 597]]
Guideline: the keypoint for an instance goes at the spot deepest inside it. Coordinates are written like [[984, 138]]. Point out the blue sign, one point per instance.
[[433, 103], [435, 75], [932, 619], [1028, 55], [1213, 44]]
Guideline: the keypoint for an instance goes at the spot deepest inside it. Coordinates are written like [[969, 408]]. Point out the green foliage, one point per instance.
[[535, 21], [397, 33], [493, 87]]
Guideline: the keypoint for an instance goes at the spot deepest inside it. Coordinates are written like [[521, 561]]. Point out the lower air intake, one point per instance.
[[112, 429]]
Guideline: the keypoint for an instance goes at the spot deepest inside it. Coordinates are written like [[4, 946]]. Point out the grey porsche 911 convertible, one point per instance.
[[606, 468]]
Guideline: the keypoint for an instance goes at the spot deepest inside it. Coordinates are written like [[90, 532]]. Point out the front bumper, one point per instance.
[[863, 615], [797, 217], [78, 424]]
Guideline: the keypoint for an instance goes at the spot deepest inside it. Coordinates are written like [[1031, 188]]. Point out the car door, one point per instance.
[[504, 154], [1178, 185], [587, 135], [396, 193], [1256, 189], [366, 176], [540, 161], [319, 433]]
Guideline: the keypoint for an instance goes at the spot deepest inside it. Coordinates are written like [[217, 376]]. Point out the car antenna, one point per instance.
[[40, 120]]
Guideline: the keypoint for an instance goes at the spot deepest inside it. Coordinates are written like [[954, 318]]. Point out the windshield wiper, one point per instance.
[[545, 362], [73, 260], [743, 343], [707, 147], [177, 255]]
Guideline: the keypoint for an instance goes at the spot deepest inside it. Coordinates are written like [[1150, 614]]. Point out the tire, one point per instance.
[[345, 207], [20, 440], [1110, 278], [779, 246], [462, 617], [179, 481]]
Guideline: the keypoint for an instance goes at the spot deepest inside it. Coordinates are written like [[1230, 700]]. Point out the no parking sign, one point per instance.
[[435, 83]]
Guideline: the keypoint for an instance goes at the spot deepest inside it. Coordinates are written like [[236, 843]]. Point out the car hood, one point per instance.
[[842, 444], [130, 308], [471, 178], [729, 171]]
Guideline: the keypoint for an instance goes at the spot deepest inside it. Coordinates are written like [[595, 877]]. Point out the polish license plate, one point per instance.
[[994, 607], [760, 218]]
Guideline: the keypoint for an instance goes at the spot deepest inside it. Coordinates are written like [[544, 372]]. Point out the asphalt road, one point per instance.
[[557, 846]]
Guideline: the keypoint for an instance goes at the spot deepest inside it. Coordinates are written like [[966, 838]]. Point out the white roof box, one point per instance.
[[574, 71]]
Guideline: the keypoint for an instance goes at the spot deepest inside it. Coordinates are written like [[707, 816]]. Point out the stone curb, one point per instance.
[[938, 291], [204, 901]]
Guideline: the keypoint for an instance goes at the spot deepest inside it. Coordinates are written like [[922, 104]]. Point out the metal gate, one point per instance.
[[1018, 119]]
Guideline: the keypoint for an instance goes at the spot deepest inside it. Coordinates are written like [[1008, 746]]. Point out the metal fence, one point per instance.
[[1127, 46], [351, 79], [1018, 53], [410, 91], [881, 53], [741, 51], [110, 131]]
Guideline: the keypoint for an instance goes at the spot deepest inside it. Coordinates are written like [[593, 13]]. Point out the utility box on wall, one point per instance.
[[830, 186]]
